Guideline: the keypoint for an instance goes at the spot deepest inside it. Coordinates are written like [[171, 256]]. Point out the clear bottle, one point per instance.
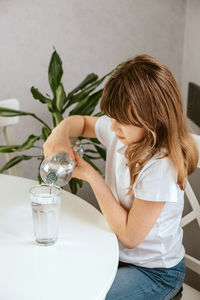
[[58, 169]]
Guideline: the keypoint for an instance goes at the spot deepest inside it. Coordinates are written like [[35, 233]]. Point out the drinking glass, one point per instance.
[[45, 202]]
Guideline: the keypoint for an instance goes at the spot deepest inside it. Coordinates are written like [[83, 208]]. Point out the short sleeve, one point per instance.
[[157, 182], [103, 131]]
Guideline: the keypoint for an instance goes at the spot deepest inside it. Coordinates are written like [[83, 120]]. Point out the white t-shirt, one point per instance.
[[162, 247]]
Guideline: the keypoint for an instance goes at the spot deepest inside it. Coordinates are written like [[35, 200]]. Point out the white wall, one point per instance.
[[90, 36], [191, 50]]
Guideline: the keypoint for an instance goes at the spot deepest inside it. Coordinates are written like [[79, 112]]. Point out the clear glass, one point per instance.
[[58, 168], [45, 202]]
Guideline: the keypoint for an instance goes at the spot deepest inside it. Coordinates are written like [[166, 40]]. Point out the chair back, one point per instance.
[[192, 262], [5, 124]]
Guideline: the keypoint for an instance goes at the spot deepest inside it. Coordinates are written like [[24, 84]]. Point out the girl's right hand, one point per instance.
[[57, 143]]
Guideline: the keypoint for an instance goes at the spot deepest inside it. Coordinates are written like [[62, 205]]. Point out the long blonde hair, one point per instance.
[[144, 93]]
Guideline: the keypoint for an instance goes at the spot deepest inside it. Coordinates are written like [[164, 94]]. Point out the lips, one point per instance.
[[119, 137]]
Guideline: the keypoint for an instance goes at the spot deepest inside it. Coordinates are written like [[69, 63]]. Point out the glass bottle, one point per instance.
[[58, 169]]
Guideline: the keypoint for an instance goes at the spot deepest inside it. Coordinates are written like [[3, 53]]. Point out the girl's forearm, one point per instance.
[[114, 213], [71, 126]]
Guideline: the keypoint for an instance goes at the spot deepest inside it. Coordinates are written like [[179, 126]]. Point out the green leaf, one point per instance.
[[8, 112], [88, 79], [102, 151], [15, 160], [73, 185], [78, 97], [94, 140], [93, 157], [57, 118], [60, 97], [87, 105], [17, 148], [8, 149], [29, 143], [79, 106], [55, 72], [45, 132], [79, 182], [85, 92], [38, 96]]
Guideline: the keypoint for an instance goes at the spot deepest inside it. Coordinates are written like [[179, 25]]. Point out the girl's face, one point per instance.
[[127, 134]]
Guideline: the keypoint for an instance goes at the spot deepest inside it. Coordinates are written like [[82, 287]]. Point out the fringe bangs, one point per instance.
[[116, 103]]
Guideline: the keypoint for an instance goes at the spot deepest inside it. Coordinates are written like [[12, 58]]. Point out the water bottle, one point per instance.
[[58, 169]]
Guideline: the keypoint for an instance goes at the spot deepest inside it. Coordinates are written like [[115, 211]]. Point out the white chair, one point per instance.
[[192, 263], [6, 133]]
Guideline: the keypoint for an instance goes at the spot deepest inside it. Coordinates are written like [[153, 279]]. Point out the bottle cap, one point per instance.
[[51, 177]]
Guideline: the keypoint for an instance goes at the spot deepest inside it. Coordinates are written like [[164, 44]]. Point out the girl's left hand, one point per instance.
[[83, 170]]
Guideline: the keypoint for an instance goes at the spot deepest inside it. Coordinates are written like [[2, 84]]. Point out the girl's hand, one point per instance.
[[57, 143], [83, 170]]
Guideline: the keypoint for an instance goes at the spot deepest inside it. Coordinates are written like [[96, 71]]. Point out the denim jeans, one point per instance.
[[138, 283]]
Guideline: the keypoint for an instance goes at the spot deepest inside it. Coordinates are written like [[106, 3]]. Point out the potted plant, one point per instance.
[[83, 99]]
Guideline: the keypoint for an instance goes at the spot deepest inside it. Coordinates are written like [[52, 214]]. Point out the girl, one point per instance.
[[150, 153]]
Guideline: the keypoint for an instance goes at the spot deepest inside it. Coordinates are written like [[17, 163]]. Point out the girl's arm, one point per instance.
[[74, 126], [130, 227]]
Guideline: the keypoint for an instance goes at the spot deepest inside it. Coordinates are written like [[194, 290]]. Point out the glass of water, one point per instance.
[[45, 202]]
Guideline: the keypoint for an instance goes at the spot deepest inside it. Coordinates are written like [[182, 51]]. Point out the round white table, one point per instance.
[[80, 266]]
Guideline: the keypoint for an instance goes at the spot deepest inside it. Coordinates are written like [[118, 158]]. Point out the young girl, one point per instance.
[[150, 153]]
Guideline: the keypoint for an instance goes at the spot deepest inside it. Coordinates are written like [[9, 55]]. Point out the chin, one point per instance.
[[124, 142]]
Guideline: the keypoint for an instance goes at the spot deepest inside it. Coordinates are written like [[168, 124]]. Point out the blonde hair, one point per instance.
[[144, 93]]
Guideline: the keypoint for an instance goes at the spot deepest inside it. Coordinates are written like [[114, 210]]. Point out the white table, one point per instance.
[[80, 266]]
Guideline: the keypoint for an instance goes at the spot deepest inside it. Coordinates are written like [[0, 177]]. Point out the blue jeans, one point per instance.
[[139, 283]]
